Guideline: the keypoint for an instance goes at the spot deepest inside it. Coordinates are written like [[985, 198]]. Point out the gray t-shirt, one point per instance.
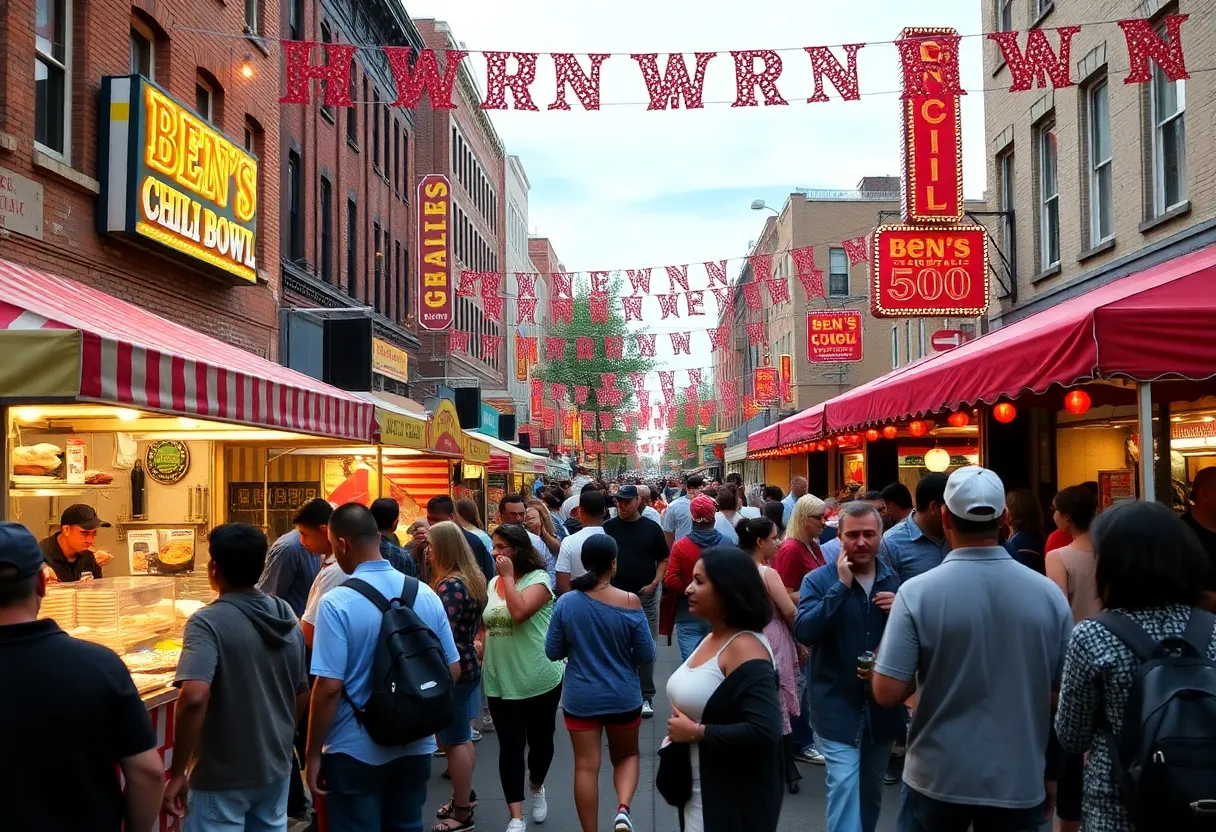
[[678, 518], [985, 638], [249, 648]]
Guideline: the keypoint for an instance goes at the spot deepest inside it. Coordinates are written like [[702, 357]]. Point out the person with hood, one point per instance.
[[685, 553], [244, 685]]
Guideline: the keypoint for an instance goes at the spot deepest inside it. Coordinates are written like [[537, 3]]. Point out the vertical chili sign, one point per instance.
[[434, 262], [932, 137]]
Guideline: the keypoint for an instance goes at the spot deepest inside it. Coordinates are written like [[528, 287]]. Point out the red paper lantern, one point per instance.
[[1077, 401], [871, 435], [890, 431], [1004, 413], [917, 428], [959, 420], [828, 442]]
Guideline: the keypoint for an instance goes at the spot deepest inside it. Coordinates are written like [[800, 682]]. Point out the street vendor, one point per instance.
[[69, 553]]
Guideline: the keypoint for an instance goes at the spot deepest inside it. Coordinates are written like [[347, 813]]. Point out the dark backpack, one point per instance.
[[1165, 756], [411, 683]]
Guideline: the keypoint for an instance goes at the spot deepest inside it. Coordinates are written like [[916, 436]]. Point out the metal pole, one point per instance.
[[1144, 421], [379, 471]]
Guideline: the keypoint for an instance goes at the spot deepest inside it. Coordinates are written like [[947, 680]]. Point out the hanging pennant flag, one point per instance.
[[762, 266], [751, 294], [581, 391], [857, 249], [491, 345], [638, 380], [824, 63], [719, 339], [669, 396], [809, 276], [716, 271], [667, 378], [458, 341], [639, 279], [677, 276], [690, 415], [584, 348], [548, 418], [608, 379], [643, 397], [756, 334], [726, 302], [588, 419], [489, 283], [526, 283], [527, 311], [696, 301], [563, 285], [694, 378], [669, 305], [555, 348], [632, 306], [1144, 42], [1040, 61], [468, 284], [562, 309], [645, 342], [525, 348], [492, 305], [599, 310], [614, 347], [561, 392], [707, 413], [680, 342], [599, 284], [778, 290]]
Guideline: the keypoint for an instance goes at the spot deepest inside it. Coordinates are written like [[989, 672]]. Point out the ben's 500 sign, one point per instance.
[[927, 272]]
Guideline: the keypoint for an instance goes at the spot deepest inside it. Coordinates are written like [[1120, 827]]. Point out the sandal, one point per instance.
[[445, 811], [452, 824]]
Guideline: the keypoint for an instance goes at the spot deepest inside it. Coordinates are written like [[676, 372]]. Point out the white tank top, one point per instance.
[[689, 688]]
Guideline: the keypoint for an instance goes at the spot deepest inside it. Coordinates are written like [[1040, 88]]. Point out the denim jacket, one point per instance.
[[840, 623]]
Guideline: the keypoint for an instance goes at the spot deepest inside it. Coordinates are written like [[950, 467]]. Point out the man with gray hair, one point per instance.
[[648, 510], [842, 613], [798, 487]]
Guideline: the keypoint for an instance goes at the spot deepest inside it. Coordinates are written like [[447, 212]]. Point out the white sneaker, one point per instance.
[[647, 709], [540, 806], [622, 823], [517, 825]]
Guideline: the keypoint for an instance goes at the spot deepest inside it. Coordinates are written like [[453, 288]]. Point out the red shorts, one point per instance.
[[629, 719]]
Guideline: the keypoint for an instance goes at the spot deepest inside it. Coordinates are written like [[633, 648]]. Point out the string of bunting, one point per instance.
[[433, 74]]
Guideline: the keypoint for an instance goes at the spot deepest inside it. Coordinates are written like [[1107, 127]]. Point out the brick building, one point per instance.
[[348, 179], [543, 260], [518, 368], [1103, 178], [463, 144], [56, 53]]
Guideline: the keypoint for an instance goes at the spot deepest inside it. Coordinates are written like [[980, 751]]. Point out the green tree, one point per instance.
[[682, 431], [572, 371]]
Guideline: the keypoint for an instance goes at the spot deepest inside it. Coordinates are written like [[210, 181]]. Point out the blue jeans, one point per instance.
[[854, 783], [918, 813], [688, 635], [363, 798], [263, 809], [460, 731]]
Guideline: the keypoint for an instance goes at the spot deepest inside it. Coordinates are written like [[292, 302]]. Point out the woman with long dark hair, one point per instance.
[[1025, 518], [724, 701], [604, 635]]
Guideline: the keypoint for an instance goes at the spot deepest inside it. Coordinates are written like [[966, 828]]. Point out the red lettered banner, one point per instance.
[[927, 272], [932, 131], [767, 385], [833, 336], [434, 266]]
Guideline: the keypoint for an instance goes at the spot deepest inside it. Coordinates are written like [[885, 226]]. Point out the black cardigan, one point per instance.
[[742, 764]]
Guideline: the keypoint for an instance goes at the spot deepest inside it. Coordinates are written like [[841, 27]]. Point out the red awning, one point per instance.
[[132, 357], [762, 439], [1158, 324], [801, 427]]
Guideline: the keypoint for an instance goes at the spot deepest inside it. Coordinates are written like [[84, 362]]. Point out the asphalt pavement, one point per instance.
[[803, 812]]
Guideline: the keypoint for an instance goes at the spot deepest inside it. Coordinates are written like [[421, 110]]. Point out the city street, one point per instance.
[[803, 812]]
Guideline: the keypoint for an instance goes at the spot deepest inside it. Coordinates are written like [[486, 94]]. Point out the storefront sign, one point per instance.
[[833, 336], [434, 271], [400, 431], [390, 360], [929, 272], [20, 205], [766, 388], [443, 431], [168, 461], [489, 421], [521, 368], [786, 367], [933, 143], [476, 451], [1115, 486], [171, 180]]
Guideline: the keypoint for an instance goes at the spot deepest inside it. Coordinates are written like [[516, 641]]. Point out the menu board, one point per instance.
[[247, 503], [1115, 486]]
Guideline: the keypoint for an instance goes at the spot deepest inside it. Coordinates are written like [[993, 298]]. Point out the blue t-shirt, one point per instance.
[[347, 630], [289, 572], [604, 645], [911, 552]]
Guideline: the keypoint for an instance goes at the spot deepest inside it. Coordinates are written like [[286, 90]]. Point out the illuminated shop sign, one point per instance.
[[173, 181], [933, 141], [434, 210]]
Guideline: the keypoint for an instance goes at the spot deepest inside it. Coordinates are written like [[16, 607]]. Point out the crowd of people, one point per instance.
[[938, 636]]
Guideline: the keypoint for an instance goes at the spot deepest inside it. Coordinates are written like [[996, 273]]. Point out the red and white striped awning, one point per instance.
[[129, 356]]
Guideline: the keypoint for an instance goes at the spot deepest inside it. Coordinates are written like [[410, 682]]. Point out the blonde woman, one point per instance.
[[799, 554], [460, 585]]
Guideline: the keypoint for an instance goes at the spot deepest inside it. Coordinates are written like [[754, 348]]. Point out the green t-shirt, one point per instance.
[[515, 665]]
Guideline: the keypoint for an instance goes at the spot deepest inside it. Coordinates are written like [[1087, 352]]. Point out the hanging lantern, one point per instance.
[[872, 435], [937, 460], [890, 431], [1077, 401], [1004, 413], [827, 443], [959, 419], [917, 428], [821, 447]]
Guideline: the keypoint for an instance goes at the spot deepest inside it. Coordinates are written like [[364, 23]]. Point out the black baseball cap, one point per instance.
[[627, 492], [20, 550], [83, 516]]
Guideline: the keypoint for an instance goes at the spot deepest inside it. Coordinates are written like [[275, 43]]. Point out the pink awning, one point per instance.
[[762, 439], [801, 427]]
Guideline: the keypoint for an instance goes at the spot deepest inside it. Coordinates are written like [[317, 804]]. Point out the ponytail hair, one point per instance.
[[599, 555], [752, 531]]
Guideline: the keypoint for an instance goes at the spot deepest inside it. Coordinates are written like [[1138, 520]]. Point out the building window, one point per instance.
[[394, 297], [1049, 199], [396, 161], [387, 131], [1004, 15], [295, 217], [142, 56], [838, 273], [352, 245], [295, 17], [921, 352], [352, 115], [52, 88], [326, 37], [1007, 184], [404, 264], [327, 230], [1041, 7], [405, 165], [253, 13], [204, 99], [1169, 141], [376, 130], [378, 268], [895, 347], [1101, 187], [968, 330]]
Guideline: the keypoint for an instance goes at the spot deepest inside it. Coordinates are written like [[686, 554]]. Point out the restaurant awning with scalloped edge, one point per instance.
[[763, 439]]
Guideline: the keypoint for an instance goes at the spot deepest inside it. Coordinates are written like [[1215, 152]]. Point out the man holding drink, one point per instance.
[[842, 615]]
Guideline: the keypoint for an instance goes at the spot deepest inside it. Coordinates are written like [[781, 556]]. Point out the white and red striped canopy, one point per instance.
[[130, 356]]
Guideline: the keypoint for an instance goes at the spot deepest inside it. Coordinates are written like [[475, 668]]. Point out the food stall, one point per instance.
[[512, 470]]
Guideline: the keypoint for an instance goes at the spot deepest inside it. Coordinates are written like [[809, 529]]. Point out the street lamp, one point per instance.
[[760, 205]]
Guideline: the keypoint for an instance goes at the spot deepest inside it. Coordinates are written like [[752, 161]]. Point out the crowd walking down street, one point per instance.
[[914, 636]]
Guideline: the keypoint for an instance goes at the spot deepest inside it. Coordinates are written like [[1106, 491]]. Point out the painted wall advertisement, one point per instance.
[[833, 336], [174, 182], [434, 270], [1115, 486]]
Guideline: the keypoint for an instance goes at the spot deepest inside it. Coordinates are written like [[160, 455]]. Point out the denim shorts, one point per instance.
[[459, 731]]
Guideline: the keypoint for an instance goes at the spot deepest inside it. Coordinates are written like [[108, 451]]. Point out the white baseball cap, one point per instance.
[[975, 493]]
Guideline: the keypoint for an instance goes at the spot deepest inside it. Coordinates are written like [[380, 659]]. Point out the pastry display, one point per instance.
[[36, 460], [148, 682], [152, 661]]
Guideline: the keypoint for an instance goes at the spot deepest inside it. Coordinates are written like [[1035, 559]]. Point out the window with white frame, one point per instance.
[[1168, 105], [1101, 185], [921, 352], [1004, 15], [1041, 7], [253, 12], [143, 61], [895, 347], [1049, 198], [1007, 185], [204, 99], [52, 76], [838, 273]]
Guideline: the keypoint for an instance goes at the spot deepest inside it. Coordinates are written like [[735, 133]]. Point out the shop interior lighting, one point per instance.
[[937, 460], [126, 414], [187, 423], [27, 414]]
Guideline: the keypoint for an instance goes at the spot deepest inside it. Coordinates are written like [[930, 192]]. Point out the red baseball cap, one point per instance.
[[702, 509]]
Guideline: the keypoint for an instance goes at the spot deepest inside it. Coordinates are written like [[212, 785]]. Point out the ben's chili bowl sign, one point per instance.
[[929, 272], [833, 336], [174, 182], [434, 263]]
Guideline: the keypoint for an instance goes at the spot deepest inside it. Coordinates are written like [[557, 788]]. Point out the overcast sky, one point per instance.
[[623, 187]]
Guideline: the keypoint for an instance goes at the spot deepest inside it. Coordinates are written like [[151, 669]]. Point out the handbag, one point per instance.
[[674, 778]]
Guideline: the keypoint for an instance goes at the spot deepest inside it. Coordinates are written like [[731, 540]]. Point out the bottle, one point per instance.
[[138, 512]]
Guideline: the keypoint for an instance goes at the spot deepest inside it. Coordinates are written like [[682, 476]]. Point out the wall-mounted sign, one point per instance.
[[933, 142], [390, 360], [434, 208], [476, 450], [1115, 487], [400, 431], [168, 461], [833, 336], [171, 180], [20, 204], [785, 365], [443, 432], [489, 421], [929, 272], [766, 390]]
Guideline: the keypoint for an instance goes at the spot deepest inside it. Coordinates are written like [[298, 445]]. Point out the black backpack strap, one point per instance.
[[1199, 631], [409, 592], [369, 592], [1142, 645]]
